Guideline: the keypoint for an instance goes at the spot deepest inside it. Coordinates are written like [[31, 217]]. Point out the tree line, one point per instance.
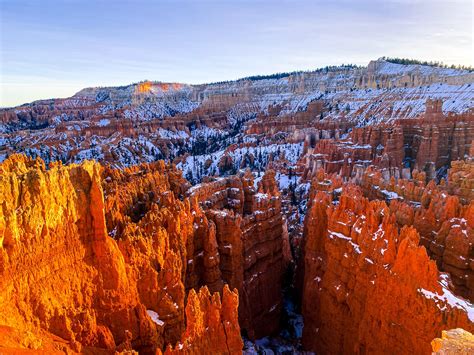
[[407, 61]]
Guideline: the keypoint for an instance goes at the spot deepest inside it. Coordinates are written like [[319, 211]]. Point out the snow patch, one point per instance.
[[155, 317]]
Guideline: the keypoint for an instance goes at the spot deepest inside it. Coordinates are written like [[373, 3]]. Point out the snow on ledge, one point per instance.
[[449, 298], [103, 122], [355, 246], [155, 317]]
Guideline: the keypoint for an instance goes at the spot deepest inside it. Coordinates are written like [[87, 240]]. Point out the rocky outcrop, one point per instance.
[[212, 326], [356, 262], [82, 272], [250, 239], [461, 178], [54, 224], [441, 219], [454, 341], [378, 184], [446, 229], [428, 144]]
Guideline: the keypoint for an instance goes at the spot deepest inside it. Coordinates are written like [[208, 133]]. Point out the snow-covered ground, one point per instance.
[[373, 106], [196, 167], [159, 109]]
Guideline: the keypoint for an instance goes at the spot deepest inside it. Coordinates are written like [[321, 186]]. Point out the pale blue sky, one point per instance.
[[55, 48]]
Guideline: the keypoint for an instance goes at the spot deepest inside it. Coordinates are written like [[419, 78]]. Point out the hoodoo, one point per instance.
[[70, 283], [356, 262]]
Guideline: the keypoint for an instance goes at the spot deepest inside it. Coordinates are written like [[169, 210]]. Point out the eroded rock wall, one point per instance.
[[84, 272], [368, 286], [249, 234]]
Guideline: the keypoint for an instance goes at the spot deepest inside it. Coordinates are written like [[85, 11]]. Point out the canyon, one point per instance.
[[329, 212]]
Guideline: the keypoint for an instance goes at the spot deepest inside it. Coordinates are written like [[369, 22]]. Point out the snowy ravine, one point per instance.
[[256, 158]]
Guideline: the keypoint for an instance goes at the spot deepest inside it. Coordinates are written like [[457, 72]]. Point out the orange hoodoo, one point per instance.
[[94, 260]]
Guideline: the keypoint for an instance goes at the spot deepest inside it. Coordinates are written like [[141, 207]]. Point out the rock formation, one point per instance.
[[68, 283], [250, 239], [461, 178], [356, 263], [212, 326], [442, 220], [148, 121], [129, 253], [454, 341]]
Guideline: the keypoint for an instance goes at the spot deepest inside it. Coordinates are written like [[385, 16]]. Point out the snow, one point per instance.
[[390, 195], [220, 213], [256, 180], [355, 246], [168, 134], [291, 152], [338, 235], [379, 233], [449, 298], [205, 132], [261, 196], [194, 167], [372, 106], [283, 181], [126, 151], [160, 108], [155, 317], [103, 122], [89, 154], [272, 308], [395, 69]]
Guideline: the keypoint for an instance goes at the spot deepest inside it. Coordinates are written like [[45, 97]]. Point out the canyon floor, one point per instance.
[[327, 212]]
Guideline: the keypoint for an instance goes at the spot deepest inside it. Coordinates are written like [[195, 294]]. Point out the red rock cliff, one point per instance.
[[368, 287], [67, 283], [249, 236]]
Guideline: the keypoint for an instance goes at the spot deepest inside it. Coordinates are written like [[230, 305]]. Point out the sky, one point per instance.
[[52, 48]]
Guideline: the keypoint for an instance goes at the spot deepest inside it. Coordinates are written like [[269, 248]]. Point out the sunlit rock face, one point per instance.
[[368, 286], [453, 341], [441, 214], [80, 271], [212, 325]]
